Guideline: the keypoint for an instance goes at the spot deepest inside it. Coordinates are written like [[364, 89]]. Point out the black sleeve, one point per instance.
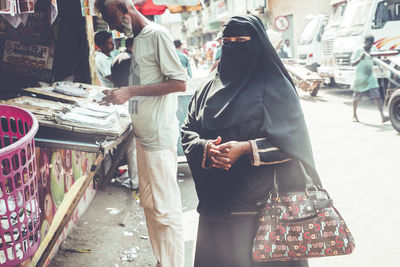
[[193, 145], [265, 153]]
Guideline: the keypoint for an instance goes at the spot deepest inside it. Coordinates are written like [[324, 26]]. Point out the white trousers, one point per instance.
[[161, 200], [132, 163]]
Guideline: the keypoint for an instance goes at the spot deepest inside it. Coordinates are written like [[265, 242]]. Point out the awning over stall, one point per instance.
[[176, 2], [157, 7], [149, 8]]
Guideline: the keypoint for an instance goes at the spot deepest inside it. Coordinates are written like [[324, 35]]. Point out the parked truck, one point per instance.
[[381, 18], [309, 45], [326, 69]]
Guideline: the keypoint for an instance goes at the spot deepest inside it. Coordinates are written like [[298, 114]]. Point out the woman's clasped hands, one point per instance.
[[223, 156]]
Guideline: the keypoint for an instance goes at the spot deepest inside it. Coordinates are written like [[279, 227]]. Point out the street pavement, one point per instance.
[[358, 164]]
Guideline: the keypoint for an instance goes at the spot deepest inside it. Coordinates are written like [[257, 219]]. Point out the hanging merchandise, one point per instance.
[[26, 6], [13, 7], [8, 7], [18, 11], [87, 7], [54, 11], [16, 20], [28, 49]]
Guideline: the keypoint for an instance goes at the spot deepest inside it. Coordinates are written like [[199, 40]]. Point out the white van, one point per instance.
[[381, 18], [309, 45], [326, 68]]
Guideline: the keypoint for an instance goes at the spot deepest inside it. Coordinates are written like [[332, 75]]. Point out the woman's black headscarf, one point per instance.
[[255, 80]]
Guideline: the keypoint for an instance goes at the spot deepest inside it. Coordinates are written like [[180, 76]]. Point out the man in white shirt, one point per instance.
[[153, 109], [287, 49], [104, 41]]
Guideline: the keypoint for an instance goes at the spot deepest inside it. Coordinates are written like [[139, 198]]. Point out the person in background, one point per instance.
[[121, 64], [183, 57], [217, 51], [196, 56], [365, 82], [287, 48], [103, 60], [238, 132], [281, 53], [209, 55], [153, 106]]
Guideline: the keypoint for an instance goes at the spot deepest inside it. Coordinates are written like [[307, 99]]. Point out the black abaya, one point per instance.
[[255, 100], [231, 246]]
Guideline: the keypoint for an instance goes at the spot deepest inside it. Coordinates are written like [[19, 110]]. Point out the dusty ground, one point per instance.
[[358, 163], [113, 229], [112, 225]]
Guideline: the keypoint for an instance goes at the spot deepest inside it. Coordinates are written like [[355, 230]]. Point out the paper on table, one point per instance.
[[84, 121], [71, 90]]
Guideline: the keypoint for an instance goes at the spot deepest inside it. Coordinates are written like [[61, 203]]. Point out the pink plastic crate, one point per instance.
[[19, 205]]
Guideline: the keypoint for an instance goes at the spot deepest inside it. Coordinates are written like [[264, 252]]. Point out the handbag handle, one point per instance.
[[309, 183]]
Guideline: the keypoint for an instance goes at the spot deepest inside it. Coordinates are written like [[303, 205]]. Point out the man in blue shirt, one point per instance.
[[182, 57], [365, 82]]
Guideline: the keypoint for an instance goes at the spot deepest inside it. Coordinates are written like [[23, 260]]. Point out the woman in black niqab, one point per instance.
[[244, 123]]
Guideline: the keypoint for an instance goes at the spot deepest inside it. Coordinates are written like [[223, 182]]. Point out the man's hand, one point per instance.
[[362, 56], [117, 96]]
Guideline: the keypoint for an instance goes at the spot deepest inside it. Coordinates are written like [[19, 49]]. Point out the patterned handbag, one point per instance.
[[300, 225]]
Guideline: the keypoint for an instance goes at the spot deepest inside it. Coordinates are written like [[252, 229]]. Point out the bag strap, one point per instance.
[[309, 182]]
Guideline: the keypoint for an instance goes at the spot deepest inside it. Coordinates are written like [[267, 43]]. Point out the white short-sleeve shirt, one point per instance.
[[103, 69], [155, 60]]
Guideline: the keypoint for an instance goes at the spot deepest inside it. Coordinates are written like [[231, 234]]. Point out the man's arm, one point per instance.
[[355, 62], [123, 94], [357, 56]]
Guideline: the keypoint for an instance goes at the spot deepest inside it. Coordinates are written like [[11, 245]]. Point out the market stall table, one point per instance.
[[76, 138]]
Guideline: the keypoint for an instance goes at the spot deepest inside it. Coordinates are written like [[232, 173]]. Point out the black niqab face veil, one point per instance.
[[239, 58], [256, 85], [248, 71]]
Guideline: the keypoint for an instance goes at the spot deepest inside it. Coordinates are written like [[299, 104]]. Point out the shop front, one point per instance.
[[79, 143], [47, 68]]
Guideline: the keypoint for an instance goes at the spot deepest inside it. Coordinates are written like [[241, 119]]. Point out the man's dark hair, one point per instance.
[[101, 38], [369, 38], [177, 43], [129, 42]]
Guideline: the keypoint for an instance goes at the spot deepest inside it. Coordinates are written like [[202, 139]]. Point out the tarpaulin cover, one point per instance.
[[177, 2], [149, 8]]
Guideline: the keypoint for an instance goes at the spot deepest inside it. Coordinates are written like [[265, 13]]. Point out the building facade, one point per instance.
[[203, 26], [286, 17], [290, 17]]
